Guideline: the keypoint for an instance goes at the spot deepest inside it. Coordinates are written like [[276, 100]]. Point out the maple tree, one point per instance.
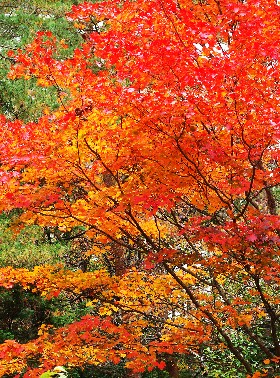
[[165, 151]]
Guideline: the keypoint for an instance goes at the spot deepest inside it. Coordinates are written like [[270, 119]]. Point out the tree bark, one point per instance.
[[172, 367]]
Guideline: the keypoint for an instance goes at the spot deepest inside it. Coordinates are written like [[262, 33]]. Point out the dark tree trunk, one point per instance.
[[172, 367], [130, 374]]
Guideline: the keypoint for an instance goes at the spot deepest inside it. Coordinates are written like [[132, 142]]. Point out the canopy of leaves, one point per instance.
[[165, 149]]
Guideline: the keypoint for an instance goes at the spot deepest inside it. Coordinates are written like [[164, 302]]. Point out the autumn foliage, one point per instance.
[[165, 150]]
